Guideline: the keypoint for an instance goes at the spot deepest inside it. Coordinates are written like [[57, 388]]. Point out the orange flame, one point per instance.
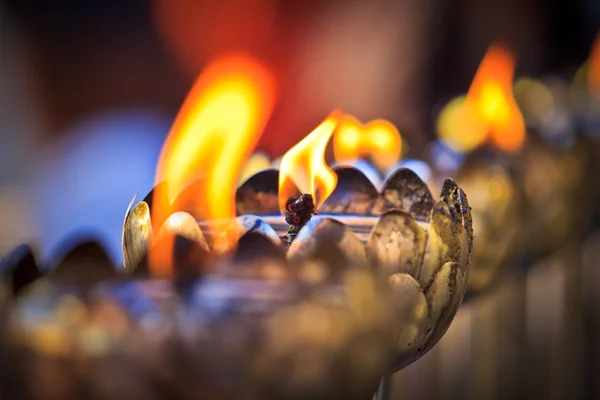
[[594, 67], [492, 98], [214, 133], [378, 140], [303, 167]]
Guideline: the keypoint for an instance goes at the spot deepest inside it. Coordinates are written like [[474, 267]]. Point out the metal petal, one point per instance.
[[444, 297], [446, 241], [397, 244], [181, 236], [467, 218], [87, 262], [451, 196], [231, 232], [353, 194], [184, 225], [258, 252], [137, 233], [19, 269], [412, 316], [459, 209], [405, 191], [258, 195], [328, 240]]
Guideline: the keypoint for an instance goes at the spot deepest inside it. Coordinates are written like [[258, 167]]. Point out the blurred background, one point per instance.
[[88, 91]]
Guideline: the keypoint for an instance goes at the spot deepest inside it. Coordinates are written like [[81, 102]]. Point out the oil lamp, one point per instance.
[[487, 127], [419, 245], [584, 102], [522, 178], [555, 166]]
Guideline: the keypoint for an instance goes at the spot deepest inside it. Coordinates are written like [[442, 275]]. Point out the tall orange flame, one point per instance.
[[214, 133], [378, 140], [493, 100], [303, 167], [594, 67]]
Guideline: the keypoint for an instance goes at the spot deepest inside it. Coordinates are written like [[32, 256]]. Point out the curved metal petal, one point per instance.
[[405, 191], [412, 316], [353, 194], [397, 244], [19, 269], [328, 240], [234, 230], [182, 224], [447, 240], [87, 262], [137, 233], [258, 195], [444, 297]]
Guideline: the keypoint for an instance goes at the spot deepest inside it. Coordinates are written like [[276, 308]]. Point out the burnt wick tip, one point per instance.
[[298, 211]]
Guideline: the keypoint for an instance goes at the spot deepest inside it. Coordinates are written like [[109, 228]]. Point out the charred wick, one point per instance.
[[298, 211]]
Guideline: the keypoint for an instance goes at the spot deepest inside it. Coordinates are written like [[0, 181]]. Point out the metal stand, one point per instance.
[[384, 390]]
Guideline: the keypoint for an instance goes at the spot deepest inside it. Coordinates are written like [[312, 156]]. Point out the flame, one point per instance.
[[378, 140], [492, 98], [214, 133], [594, 67], [303, 168]]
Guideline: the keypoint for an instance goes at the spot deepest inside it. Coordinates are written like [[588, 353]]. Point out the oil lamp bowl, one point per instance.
[[497, 212], [528, 205], [420, 247], [558, 185]]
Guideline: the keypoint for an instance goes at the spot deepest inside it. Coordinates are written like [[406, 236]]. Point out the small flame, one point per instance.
[[492, 98], [379, 140], [489, 111], [594, 67], [213, 135], [303, 168], [460, 127]]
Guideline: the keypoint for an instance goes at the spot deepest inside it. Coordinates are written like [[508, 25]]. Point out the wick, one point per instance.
[[298, 211]]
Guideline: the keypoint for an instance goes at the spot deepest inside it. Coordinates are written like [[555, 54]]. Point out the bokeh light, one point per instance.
[[445, 159], [86, 180], [379, 141], [459, 126], [534, 99]]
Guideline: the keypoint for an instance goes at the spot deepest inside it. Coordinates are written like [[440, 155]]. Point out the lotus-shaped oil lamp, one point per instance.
[[555, 166], [400, 234], [584, 101], [496, 218], [553, 181], [525, 167], [421, 246]]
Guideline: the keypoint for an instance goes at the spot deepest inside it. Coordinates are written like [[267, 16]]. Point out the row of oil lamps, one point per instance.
[[365, 288]]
